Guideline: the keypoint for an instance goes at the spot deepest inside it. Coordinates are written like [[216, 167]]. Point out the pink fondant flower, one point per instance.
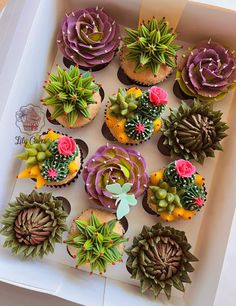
[[184, 168], [199, 201], [158, 96], [66, 145]]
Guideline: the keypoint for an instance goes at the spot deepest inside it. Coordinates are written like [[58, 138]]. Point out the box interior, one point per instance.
[[203, 232]]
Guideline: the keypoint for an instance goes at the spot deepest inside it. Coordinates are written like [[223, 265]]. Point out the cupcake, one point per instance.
[[148, 54], [96, 240], [89, 38], [33, 224], [52, 160], [132, 117], [115, 177], [207, 71], [193, 131], [176, 191], [160, 259], [73, 98]]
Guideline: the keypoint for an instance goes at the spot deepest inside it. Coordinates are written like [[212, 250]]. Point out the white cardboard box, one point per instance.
[[28, 54]]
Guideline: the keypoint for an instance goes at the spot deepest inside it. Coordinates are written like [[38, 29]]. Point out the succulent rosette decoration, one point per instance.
[[207, 71], [115, 177], [33, 224], [160, 259], [96, 238], [133, 116], [73, 98], [53, 160], [149, 52], [176, 191], [194, 131], [89, 37]]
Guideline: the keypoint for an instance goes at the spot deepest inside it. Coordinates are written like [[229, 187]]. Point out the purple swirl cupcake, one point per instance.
[[89, 37], [115, 177]]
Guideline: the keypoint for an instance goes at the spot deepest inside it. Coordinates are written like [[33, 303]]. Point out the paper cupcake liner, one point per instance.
[[178, 92]]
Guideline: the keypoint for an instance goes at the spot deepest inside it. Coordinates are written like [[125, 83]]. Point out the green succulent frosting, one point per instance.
[[96, 243], [194, 131], [139, 128], [193, 198], [35, 153], [63, 158], [148, 109], [33, 224], [123, 104], [172, 177], [53, 170], [70, 93], [151, 45], [165, 197], [160, 259]]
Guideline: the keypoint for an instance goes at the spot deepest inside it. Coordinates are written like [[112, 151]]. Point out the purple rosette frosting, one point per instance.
[[208, 71], [114, 164], [89, 37]]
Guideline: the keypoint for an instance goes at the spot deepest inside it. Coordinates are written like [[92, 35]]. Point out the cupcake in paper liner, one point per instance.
[[96, 239], [176, 191], [89, 38], [73, 98], [133, 116], [160, 259], [33, 224], [207, 71], [115, 177], [53, 160], [193, 131], [149, 53]]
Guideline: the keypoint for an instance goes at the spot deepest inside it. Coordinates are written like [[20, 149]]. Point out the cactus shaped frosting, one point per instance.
[[151, 45], [70, 93], [36, 152], [160, 259], [194, 131], [33, 224], [139, 128], [208, 71], [96, 243], [125, 102], [89, 37]]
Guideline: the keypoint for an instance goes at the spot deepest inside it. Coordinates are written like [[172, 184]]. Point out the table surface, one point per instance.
[[12, 295]]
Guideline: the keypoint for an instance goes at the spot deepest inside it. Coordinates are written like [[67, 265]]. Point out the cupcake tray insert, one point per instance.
[[201, 231]]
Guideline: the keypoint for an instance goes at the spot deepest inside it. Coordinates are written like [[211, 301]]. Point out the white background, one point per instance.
[[15, 296]]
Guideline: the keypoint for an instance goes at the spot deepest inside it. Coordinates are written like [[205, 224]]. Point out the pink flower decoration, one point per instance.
[[52, 172], [66, 145], [184, 168], [140, 128], [158, 96], [199, 201]]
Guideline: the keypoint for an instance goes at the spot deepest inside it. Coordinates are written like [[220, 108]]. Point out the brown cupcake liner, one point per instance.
[[179, 93]]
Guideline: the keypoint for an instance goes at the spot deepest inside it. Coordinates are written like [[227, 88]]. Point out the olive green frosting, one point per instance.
[[70, 92], [96, 243], [160, 259], [148, 109], [123, 104], [139, 128], [165, 197], [33, 224], [151, 45], [194, 131]]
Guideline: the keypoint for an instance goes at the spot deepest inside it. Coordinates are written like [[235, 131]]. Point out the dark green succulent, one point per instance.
[[160, 259], [96, 243], [151, 45], [70, 92], [124, 104], [33, 224], [165, 197], [194, 131], [36, 152]]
